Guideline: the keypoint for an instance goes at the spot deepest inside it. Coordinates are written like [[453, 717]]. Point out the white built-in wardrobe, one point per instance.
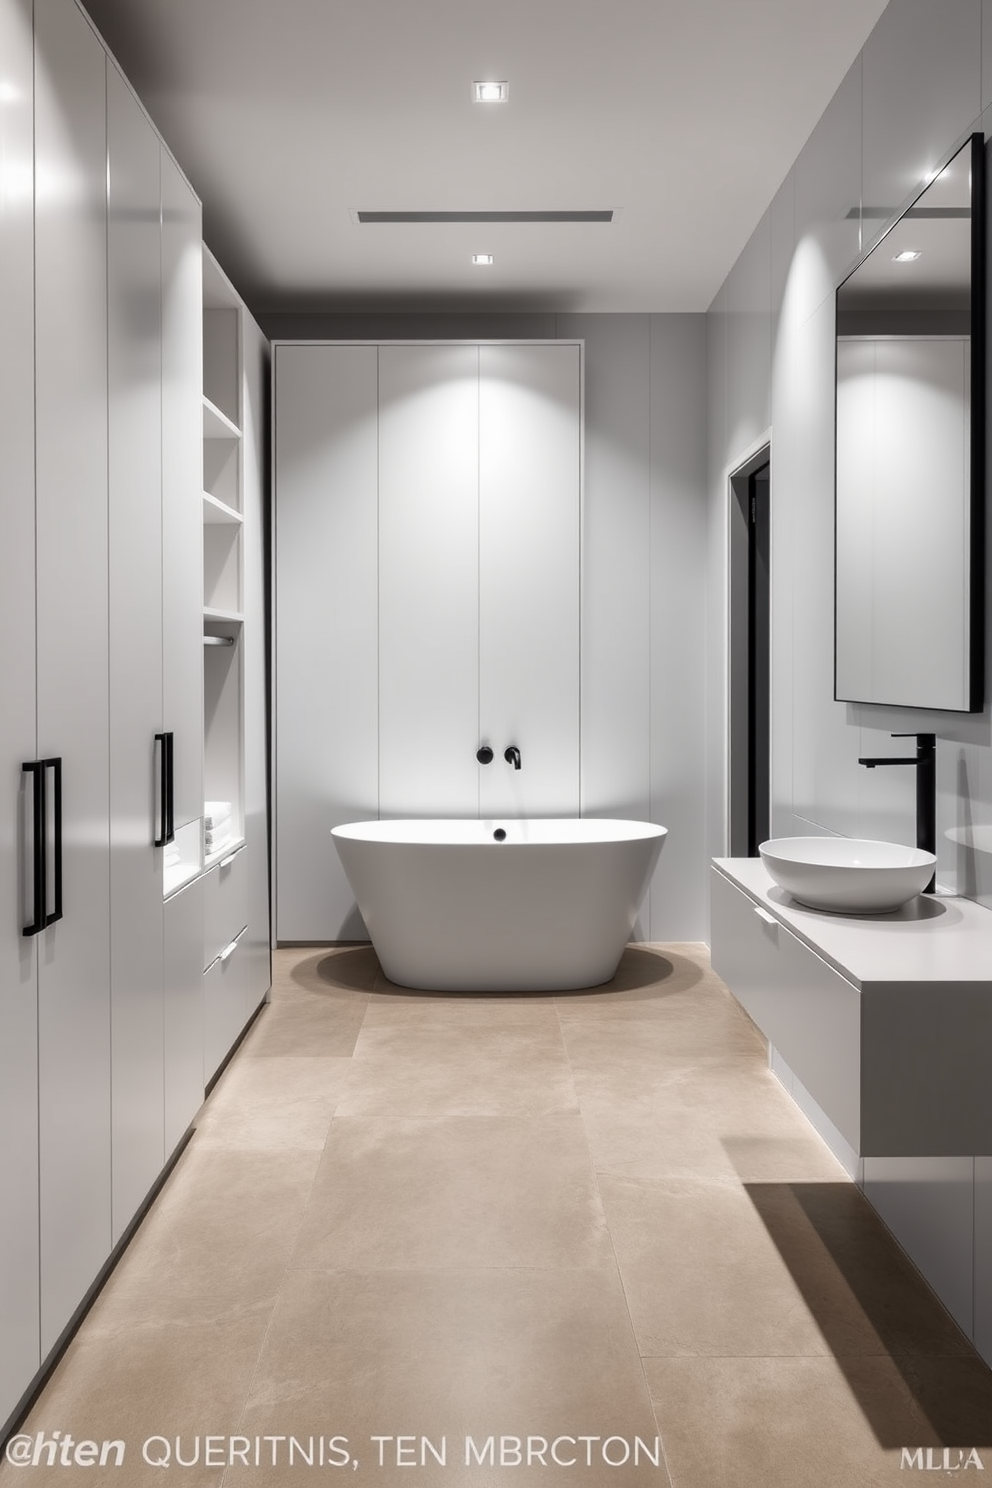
[[427, 518], [103, 1009]]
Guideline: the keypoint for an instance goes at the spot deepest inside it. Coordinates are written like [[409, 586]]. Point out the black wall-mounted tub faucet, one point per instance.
[[512, 756], [925, 760]]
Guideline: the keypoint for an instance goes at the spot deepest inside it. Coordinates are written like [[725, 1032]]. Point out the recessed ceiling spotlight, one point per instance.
[[482, 258], [491, 92], [908, 255]]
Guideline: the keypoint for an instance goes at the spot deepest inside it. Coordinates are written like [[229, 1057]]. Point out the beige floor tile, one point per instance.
[[714, 1121], [781, 1423], [446, 1070], [307, 1026], [284, 1101], [703, 1276], [650, 1146], [214, 1245], [679, 1030], [390, 1005], [449, 1354], [169, 1379], [454, 1192]]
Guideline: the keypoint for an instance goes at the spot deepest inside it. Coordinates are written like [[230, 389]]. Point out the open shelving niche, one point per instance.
[[223, 553]]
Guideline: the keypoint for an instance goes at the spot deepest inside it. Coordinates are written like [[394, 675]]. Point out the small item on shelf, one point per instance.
[[215, 814]]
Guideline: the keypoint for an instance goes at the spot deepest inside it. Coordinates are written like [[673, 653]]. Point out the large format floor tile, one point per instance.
[[454, 1192], [450, 1070], [449, 1354], [590, 1219]]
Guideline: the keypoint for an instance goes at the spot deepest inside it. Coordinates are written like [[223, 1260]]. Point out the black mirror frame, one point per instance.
[[977, 434]]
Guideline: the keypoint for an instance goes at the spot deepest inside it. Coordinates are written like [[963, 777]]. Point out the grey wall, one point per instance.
[[644, 561], [921, 84]]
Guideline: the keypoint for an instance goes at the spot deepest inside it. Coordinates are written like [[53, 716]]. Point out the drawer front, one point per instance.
[[223, 1006], [225, 903], [807, 1010]]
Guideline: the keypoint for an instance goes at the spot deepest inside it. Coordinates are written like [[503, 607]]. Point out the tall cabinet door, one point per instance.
[[182, 484], [326, 672], [20, 1352], [530, 449], [135, 506], [72, 609], [428, 580]]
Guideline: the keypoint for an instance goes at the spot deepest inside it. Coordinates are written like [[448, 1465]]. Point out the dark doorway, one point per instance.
[[750, 649]]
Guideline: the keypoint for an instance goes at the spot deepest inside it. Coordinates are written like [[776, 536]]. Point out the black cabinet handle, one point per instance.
[[167, 791], [161, 838], [38, 770], [55, 765], [39, 875], [170, 824]]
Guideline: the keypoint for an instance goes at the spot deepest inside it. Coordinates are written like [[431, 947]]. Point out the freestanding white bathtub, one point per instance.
[[453, 906]]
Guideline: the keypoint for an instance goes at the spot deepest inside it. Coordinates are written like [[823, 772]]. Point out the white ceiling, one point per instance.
[[288, 115]]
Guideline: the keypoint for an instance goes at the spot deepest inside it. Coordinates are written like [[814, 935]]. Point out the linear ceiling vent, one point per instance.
[[607, 216]]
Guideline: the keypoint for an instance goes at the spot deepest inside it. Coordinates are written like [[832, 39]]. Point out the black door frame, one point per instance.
[[749, 743]]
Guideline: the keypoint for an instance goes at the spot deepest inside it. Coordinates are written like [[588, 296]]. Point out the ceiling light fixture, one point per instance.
[[490, 92], [908, 255], [482, 258]]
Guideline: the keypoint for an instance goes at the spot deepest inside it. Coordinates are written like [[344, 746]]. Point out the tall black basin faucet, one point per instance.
[[925, 760]]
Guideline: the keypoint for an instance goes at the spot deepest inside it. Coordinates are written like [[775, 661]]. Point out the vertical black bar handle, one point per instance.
[[39, 874], [170, 800], [162, 835], [55, 765]]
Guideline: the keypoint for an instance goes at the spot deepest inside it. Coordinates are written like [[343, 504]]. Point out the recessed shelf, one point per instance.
[[217, 511], [231, 846], [217, 425], [226, 617]]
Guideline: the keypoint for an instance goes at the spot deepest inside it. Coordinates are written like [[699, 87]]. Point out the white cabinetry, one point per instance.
[[235, 949], [428, 518], [73, 679], [101, 599], [880, 1028], [20, 1353], [135, 507]]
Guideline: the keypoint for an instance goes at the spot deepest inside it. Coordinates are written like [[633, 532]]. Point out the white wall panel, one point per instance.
[[135, 507], [749, 341], [71, 456], [429, 724], [326, 663], [20, 1354], [616, 564], [827, 178], [716, 580], [529, 525], [677, 628]]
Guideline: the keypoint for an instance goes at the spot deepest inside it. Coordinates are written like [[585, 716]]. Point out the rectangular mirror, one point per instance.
[[910, 492]]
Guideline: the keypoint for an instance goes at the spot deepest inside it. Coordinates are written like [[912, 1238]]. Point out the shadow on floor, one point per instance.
[[867, 1297]]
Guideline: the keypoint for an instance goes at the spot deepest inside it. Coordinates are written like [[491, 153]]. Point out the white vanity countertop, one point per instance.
[[935, 938]]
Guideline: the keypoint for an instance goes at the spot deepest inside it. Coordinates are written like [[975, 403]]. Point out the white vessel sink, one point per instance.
[[847, 875]]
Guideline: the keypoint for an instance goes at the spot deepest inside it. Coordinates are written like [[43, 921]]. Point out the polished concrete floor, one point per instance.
[[419, 1222]]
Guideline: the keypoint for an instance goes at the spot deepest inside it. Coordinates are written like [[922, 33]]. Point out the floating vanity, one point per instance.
[[885, 1019]]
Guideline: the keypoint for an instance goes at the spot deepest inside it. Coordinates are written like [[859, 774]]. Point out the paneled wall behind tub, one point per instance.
[[922, 82], [643, 571]]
